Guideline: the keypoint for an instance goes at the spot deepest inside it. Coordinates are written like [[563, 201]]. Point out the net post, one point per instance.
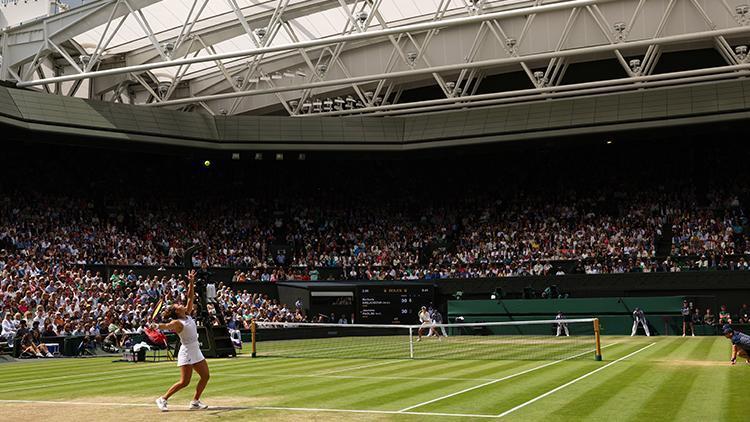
[[411, 343], [252, 338], [597, 337]]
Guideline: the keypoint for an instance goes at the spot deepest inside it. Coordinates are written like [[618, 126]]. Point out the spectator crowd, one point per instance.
[[484, 237], [50, 300]]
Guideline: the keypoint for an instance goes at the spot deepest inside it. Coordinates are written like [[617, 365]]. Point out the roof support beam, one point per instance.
[[606, 48], [321, 43]]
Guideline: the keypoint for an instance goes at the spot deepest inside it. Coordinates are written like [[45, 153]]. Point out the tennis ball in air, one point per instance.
[[207, 163]]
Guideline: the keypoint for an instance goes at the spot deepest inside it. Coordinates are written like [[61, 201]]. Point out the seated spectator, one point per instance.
[[8, 329], [724, 316], [30, 346], [48, 330], [36, 339], [709, 318], [697, 317]]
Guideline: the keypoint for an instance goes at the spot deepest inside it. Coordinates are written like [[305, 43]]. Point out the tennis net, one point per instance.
[[511, 340]]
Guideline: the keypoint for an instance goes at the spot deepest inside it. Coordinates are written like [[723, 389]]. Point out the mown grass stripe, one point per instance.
[[584, 376], [516, 390]]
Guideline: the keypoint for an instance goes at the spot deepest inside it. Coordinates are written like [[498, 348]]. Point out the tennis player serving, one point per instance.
[[189, 358]]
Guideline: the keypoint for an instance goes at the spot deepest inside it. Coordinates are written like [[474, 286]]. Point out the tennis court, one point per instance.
[[639, 379]]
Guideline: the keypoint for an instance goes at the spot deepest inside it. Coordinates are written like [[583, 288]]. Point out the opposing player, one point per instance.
[[639, 318], [740, 344], [426, 322], [561, 325], [189, 358]]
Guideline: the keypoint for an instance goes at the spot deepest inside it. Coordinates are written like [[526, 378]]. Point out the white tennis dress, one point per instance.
[[424, 317], [190, 349]]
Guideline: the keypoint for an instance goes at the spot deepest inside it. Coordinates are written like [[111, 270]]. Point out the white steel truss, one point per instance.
[[367, 65]]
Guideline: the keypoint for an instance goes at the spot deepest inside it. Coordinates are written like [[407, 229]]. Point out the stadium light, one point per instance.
[[362, 16], [258, 156], [741, 51], [327, 104], [163, 88], [169, 48], [279, 156], [635, 65], [540, 79]]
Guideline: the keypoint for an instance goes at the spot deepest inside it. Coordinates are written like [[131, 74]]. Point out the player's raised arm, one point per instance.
[[191, 291], [174, 326]]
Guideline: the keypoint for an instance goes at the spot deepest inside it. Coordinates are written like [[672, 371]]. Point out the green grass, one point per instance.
[[675, 379]]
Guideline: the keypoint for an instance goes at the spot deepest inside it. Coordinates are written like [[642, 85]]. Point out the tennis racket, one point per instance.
[[157, 309]]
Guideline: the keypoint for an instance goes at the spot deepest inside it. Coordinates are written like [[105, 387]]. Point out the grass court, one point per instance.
[[657, 378]]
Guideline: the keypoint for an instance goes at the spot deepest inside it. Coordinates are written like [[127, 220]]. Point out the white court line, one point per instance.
[[288, 409], [496, 380], [389, 362], [588, 374], [79, 403]]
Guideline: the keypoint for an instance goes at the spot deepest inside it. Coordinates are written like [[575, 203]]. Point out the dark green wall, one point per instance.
[[614, 313]]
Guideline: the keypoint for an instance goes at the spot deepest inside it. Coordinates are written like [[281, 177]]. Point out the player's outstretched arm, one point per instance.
[[191, 291], [174, 326], [734, 354]]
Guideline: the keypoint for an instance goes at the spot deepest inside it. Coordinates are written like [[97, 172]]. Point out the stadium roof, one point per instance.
[[167, 17], [343, 57]]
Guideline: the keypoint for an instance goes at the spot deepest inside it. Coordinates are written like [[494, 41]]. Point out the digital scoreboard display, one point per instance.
[[392, 304]]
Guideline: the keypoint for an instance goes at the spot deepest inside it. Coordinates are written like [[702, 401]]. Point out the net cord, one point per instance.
[[266, 324]]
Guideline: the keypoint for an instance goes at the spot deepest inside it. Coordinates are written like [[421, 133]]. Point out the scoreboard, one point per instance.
[[392, 304]]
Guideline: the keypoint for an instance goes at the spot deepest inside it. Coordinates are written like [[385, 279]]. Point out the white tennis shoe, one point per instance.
[[161, 403], [198, 405]]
